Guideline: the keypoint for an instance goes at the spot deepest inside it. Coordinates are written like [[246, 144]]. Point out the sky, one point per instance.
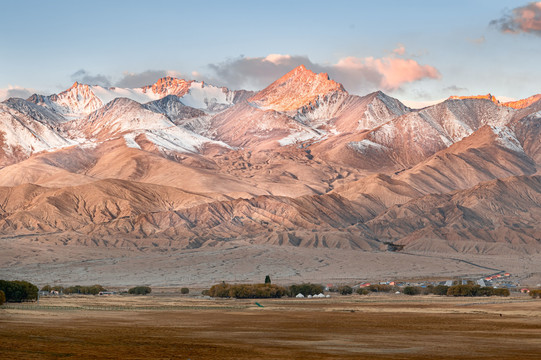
[[416, 51]]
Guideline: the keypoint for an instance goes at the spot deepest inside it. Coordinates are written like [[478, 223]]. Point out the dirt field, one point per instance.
[[353, 327]]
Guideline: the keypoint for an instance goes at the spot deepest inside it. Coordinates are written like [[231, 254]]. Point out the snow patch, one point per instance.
[[297, 137], [506, 138], [365, 145], [130, 141]]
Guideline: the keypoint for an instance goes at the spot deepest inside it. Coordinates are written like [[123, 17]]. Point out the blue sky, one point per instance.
[[413, 50]]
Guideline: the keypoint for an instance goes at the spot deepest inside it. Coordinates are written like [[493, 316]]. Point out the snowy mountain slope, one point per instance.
[[130, 119], [77, 101], [489, 153], [22, 135], [411, 138], [342, 112], [34, 111], [174, 109], [81, 99], [246, 126]]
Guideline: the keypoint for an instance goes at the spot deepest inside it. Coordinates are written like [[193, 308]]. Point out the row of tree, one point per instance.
[[18, 291]]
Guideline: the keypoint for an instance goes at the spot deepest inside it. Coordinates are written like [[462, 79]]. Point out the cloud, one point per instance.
[[148, 77], [84, 77], [454, 89], [15, 91], [478, 41], [400, 50], [525, 19], [356, 74], [393, 72], [255, 73]]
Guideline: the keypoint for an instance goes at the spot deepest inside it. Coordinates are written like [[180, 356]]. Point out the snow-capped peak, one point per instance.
[[74, 102], [297, 88]]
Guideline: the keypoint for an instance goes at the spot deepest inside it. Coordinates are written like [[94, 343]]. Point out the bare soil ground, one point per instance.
[[42, 263], [349, 327]]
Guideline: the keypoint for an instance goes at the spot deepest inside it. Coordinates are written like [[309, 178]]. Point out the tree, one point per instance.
[[267, 279], [17, 291], [440, 290], [345, 290], [140, 290], [184, 291], [2, 297], [363, 291], [305, 289], [412, 290]]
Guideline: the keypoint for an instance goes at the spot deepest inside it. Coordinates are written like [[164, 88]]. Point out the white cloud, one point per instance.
[[15, 91]]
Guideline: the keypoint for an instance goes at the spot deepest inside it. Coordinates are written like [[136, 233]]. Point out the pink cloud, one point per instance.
[[400, 50], [525, 19], [393, 72]]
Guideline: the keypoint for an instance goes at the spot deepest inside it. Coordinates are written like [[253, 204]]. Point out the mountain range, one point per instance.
[[303, 163]]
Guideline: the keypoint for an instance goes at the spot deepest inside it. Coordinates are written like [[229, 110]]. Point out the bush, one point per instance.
[[476, 290], [84, 290], [363, 291], [17, 291], [463, 290], [247, 291], [535, 293], [305, 289], [140, 290], [412, 290], [440, 290], [380, 288], [502, 292], [2, 297], [184, 291], [345, 290]]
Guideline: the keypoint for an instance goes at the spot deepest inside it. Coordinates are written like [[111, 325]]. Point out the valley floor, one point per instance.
[[342, 327], [43, 263]]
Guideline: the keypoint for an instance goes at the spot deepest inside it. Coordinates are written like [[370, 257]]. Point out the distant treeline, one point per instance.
[[77, 289], [18, 291], [260, 291], [247, 291]]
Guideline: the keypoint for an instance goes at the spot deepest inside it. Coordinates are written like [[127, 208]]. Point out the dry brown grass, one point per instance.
[[376, 327]]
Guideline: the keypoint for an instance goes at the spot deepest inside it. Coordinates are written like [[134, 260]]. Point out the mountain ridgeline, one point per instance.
[[302, 163]]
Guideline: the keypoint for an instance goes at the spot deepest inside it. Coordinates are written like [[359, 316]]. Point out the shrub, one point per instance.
[[140, 290], [535, 293], [247, 291], [412, 290], [363, 291], [84, 290], [2, 297], [476, 290], [305, 289], [345, 290], [380, 288], [47, 288], [184, 291], [463, 290], [440, 290], [502, 292], [17, 291]]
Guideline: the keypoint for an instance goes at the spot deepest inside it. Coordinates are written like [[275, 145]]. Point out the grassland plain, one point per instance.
[[342, 327]]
